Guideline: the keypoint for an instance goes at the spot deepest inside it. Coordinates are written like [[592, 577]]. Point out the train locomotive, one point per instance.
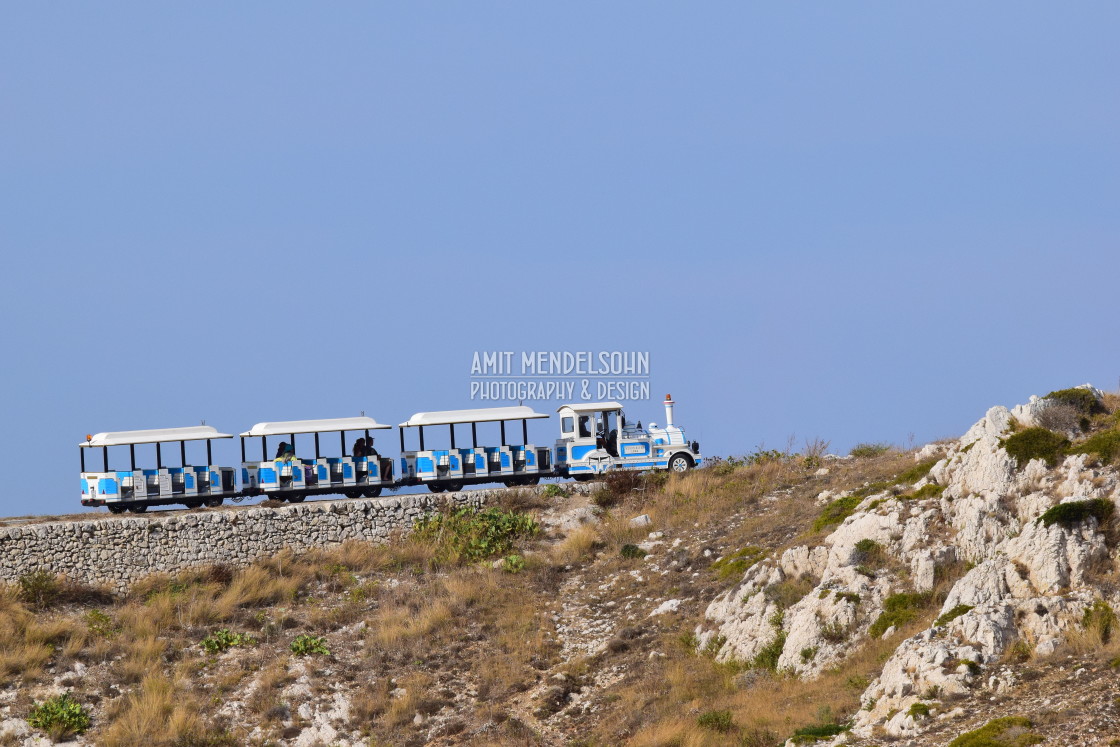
[[595, 438]]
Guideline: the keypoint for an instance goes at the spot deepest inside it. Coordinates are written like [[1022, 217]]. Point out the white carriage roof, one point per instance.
[[590, 406], [155, 435], [481, 415], [288, 427]]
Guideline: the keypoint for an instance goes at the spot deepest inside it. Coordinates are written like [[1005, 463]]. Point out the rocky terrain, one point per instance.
[[886, 597]]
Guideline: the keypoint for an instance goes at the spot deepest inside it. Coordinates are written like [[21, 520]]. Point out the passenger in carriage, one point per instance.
[[285, 452], [359, 450]]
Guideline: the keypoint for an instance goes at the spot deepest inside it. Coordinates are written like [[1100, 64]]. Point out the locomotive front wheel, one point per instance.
[[680, 464], [115, 508]]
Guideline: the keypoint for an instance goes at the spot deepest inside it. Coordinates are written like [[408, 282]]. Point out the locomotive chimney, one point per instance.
[[669, 410]]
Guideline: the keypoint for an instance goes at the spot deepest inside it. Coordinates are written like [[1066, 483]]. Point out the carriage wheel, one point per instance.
[[215, 502], [372, 492], [116, 508], [435, 487], [138, 509]]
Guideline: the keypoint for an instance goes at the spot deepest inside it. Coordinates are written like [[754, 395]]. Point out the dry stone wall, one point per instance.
[[117, 551]]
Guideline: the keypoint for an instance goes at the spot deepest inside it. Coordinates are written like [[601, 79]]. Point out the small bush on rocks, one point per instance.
[[1035, 443], [40, 588], [470, 536], [809, 734], [952, 614], [222, 639], [60, 716], [1104, 445], [918, 710], [720, 721], [1100, 619], [870, 552], [1074, 512], [1082, 400], [898, 609], [305, 645], [864, 450], [1009, 731], [737, 563], [554, 491], [929, 490], [918, 471], [632, 552]]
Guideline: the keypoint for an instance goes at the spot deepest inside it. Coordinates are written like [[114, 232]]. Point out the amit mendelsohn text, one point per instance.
[[557, 363]]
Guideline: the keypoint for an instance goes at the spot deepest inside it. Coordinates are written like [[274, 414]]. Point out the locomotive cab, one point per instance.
[[596, 437]]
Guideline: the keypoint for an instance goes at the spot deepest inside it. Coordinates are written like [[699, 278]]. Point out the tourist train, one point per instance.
[[595, 438]]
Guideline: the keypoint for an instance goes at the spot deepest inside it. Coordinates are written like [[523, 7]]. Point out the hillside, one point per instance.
[[882, 598]]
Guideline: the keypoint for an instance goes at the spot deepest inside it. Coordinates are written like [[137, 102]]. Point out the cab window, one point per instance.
[[585, 426], [567, 425]]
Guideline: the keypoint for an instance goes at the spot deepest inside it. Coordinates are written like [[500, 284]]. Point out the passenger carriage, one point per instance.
[[453, 467], [138, 488], [596, 437], [293, 477]]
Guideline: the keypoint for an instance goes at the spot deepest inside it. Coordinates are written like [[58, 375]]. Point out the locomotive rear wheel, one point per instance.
[[680, 464]]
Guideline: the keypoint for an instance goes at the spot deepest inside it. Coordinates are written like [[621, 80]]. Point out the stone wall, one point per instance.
[[116, 551]]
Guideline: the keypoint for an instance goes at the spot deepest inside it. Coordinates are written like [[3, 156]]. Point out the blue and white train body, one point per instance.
[[595, 438]]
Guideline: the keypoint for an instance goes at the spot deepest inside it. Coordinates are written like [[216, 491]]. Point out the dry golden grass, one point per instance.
[[158, 713], [577, 546], [402, 709]]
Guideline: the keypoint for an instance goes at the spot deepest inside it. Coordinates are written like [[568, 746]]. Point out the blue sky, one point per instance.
[[854, 222]]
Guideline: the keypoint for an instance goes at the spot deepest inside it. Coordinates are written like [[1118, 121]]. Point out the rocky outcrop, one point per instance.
[[1025, 583]]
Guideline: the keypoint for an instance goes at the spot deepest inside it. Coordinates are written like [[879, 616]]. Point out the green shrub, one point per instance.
[[767, 657], [1009, 731], [40, 588], [929, 490], [807, 734], [870, 552], [1104, 445], [1082, 400], [720, 721], [632, 552], [305, 645], [952, 614], [918, 710], [1101, 619], [220, 640], [513, 564], [918, 471], [470, 536], [808, 653], [785, 594], [1035, 443], [554, 491], [100, 624], [1071, 513], [834, 632], [848, 596], [863, 450], [898, 610], [60, 716], [737, 563], [836, 511]]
